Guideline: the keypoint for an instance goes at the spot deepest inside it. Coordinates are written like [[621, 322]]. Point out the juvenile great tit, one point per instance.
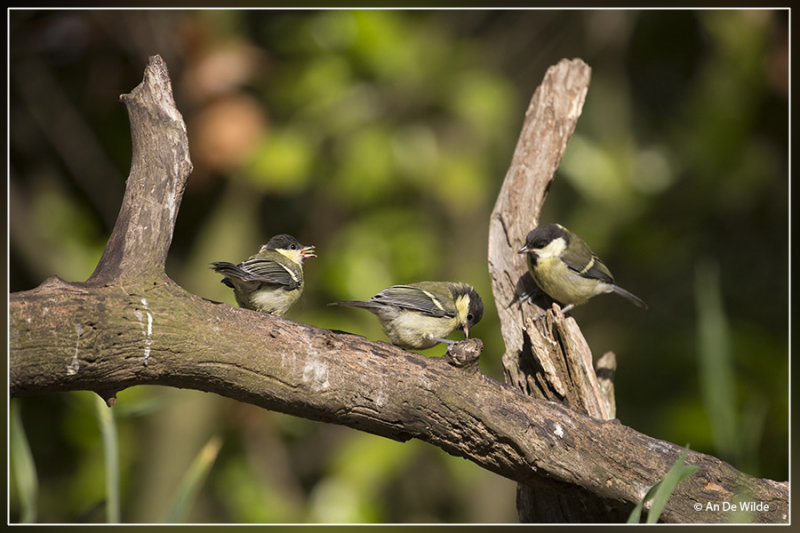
[[420, 315], [271, 280], [566, 269]]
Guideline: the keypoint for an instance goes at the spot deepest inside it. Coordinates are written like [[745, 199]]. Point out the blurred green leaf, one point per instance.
[[484, 100], [82, 427], [717, 376], [23, 468], [600, 174], [108, 430], [383, 248], [322, 82], [333, 30], [462, 184], [358, 468], [78, 250], [384, 45], [282, 164], [253, 499], [365, 173], [416, 153], [193, 480]]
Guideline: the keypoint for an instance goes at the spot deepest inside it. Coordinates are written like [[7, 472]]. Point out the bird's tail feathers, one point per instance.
[[635, 300], [223, 267], [226, 269], [357, 303]]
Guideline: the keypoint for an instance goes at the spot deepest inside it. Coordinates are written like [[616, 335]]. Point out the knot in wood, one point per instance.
[[465, 354]]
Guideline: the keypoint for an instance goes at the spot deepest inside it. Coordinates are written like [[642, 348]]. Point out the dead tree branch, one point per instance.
[[552, 360], [129, 324]]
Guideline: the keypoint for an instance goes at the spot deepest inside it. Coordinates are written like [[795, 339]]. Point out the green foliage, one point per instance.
[[23, 468], [736, 435], [358, 469], [193, 480], [281, 164], [379, 250], [661, 491], [251, 498], [108, 430]]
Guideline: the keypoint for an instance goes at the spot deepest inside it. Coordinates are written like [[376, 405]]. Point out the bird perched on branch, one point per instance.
[[271, 280], [420, 315], [566, 269]]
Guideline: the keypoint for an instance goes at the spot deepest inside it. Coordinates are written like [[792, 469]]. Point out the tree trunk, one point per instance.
[[552, 361]]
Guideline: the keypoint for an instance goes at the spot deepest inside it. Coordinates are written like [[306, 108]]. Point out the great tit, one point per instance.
[[566, 269], [420, 315], [271, 280]]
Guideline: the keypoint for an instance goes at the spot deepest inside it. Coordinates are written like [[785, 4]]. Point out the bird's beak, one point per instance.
[[466, 331], [523, 249], [307, 251]]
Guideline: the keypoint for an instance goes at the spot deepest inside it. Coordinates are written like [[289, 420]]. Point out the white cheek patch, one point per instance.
[[553, 249], [462, 309]]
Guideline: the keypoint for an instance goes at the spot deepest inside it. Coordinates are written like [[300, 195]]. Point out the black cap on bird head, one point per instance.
[[283, 242], [474, 311], [541, 236]]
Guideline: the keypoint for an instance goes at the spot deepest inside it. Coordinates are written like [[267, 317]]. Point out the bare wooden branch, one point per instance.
[[131, 325], [160, 166], [535, 359], [549, 359]]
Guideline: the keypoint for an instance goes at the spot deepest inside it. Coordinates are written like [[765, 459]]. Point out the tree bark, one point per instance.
[[551, 359], [129, 324]]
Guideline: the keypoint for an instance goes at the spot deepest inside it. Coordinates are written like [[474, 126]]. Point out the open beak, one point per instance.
[[307, 251]]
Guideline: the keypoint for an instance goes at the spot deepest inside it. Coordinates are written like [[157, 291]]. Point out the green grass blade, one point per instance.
[[661, 491], [676, 474], [108, 430], [22, 466], [193, 479], [636, 514], [715, 360]]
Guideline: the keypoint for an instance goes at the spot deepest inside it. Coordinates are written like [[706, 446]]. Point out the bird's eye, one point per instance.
[[294, 247], [470, 317]]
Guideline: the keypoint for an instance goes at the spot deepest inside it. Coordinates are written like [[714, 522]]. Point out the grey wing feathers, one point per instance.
[[581, 259], [259, 270], [597, 270], [409, 297]]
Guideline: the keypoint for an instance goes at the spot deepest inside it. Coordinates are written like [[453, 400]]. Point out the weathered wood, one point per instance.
[[65, 338], [535, 353], [131, 325], [160, 166], [549, 359]]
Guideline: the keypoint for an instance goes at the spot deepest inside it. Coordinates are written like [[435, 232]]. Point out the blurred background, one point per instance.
[[382, 137]]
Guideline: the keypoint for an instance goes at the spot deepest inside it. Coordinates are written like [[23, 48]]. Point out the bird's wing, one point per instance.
[[414, 298], [269, 271], [226, 269], [579, 257]]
